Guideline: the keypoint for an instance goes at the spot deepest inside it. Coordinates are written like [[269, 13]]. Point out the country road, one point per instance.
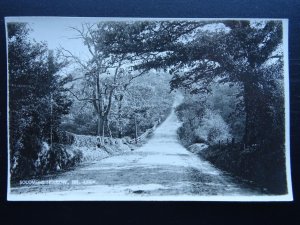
[[160, 170]]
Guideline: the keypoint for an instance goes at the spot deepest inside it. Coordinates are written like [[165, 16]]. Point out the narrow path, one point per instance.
[[161, 169]]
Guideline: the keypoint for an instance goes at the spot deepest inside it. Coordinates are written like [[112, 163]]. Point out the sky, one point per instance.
[[56, 31]]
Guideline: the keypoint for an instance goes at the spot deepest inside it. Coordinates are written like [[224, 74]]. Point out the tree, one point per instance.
[[243, 53], [105, 74], [146, 100], [196, 56], [36, 98]]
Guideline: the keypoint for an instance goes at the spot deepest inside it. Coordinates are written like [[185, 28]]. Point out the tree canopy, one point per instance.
[[37, 100], [197, 55]]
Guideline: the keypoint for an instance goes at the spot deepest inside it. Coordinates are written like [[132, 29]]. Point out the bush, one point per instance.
[[201, 125], [186, 135], [266, 169], [49, 159], [56, 158], [213, 128]]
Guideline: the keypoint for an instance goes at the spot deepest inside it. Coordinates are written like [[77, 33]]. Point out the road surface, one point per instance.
[[160, 170]]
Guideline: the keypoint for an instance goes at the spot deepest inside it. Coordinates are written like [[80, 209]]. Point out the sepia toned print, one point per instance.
[[148, 109]]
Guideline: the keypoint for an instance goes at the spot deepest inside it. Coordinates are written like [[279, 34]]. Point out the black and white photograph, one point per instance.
[[148, 109]]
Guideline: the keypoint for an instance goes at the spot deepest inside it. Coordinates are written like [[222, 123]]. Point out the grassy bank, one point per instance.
[[266, 169]]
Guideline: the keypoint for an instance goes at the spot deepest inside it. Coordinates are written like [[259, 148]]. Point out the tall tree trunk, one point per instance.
[[100, 125], [120, 133], [251, 122], [247, 119], [103, 126], [108, 128], [136, 129]]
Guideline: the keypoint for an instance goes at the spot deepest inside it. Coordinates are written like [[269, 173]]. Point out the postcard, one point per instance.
[[154, 109]]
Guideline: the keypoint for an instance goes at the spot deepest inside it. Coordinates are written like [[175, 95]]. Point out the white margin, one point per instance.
[[285, 40], [7, 122]]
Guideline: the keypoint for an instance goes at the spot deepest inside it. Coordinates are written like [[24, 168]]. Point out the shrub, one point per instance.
[[55, 158], [213, 128], [49, 159], [265, 169]]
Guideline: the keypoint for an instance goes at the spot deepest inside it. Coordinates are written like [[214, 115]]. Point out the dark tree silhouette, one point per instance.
[[242, 53], [36, 98], [235, 54]]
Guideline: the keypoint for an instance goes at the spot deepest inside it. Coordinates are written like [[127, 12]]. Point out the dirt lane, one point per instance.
[[162, 167]]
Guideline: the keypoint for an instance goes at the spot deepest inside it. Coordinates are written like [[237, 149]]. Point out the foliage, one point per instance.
[[36, 99], [245, 54], [147, 101], [226, 100], [250, 164], [231, 73], [213, 128], [238, 53], [138, 103], [202, 123], [105, 75], [56, 157]]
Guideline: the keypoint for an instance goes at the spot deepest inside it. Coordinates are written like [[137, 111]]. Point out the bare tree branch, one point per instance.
[[72, 56], [82, 99]]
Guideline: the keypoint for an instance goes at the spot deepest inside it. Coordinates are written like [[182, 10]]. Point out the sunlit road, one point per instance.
[[161, 169]]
